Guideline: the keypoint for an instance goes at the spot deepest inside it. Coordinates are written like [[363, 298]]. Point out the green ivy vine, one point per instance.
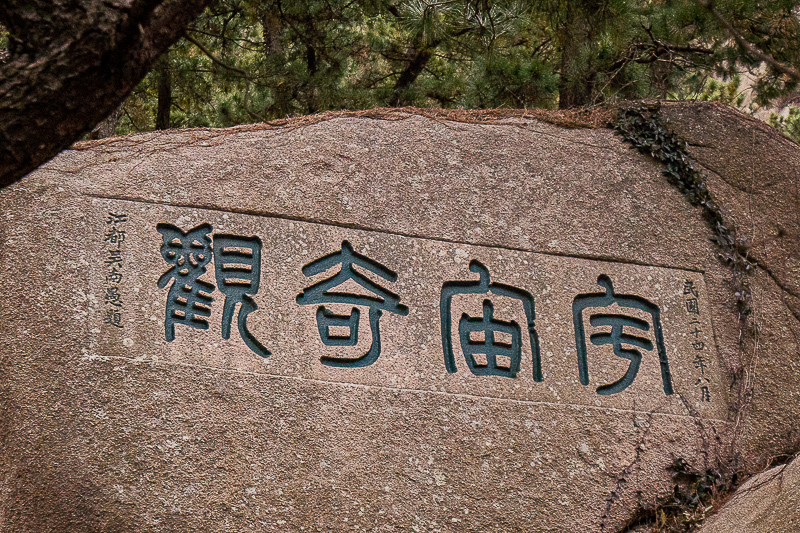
[[643, 127]]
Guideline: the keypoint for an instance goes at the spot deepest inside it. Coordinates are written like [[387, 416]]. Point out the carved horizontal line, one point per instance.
[[324, 222], [397, 389]]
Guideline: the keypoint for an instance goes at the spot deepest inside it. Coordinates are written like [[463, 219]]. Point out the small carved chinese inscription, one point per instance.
[[114, 261], [696, 340]]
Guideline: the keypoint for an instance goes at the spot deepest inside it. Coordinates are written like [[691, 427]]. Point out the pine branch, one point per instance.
[[212, 58], [751, 49]]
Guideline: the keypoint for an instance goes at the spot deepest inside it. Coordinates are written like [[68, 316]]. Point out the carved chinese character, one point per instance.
[[113, 318], [189, 299], [502, 358], [324, 292], [704, 394], [619, 337], [113, 296], [689, 288], [114, 235], [114, 259], [237, 261], [114, 275], [700, 363], [116, 218]]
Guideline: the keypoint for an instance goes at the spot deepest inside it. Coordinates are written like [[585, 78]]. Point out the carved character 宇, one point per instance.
[[618, 337]]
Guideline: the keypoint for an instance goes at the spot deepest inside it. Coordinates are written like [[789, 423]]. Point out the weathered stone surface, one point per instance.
[[767, 503], [753, 173], [116, 428]]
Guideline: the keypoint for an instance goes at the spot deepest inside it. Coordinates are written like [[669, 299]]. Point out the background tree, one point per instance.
[[259, 60]]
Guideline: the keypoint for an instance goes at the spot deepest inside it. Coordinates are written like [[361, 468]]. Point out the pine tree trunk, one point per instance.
[[108, 127], [164, 93], [271, 27], [417, 58], [574, 89], [311, 66], [576, 32], [71, 64]]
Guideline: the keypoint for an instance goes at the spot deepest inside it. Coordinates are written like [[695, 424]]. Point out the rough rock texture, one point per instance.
[[753, 172], [767, 502], [115, 429]]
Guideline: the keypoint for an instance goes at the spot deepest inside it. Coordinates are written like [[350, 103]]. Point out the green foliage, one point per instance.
[[510, 81], [789, 125], [260, 60], [727, 93]]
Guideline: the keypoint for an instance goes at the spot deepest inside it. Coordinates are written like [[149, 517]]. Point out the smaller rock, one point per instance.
[[767, 502]]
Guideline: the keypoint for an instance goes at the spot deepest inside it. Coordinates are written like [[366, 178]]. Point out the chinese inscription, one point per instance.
[[617, 337], [114, 236], [237, 262], [323, 292], [690, 295], [488, 326], [495, 338]]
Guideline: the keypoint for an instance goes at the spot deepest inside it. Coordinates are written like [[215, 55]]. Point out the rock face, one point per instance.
[[753, 174], [769, 501], [361, 324]]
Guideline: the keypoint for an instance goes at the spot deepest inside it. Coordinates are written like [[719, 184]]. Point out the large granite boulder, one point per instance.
[[420, 322]]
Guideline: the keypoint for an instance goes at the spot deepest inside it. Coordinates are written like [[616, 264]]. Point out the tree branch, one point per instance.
[[71, 64], [751, 49], [212, 58]]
